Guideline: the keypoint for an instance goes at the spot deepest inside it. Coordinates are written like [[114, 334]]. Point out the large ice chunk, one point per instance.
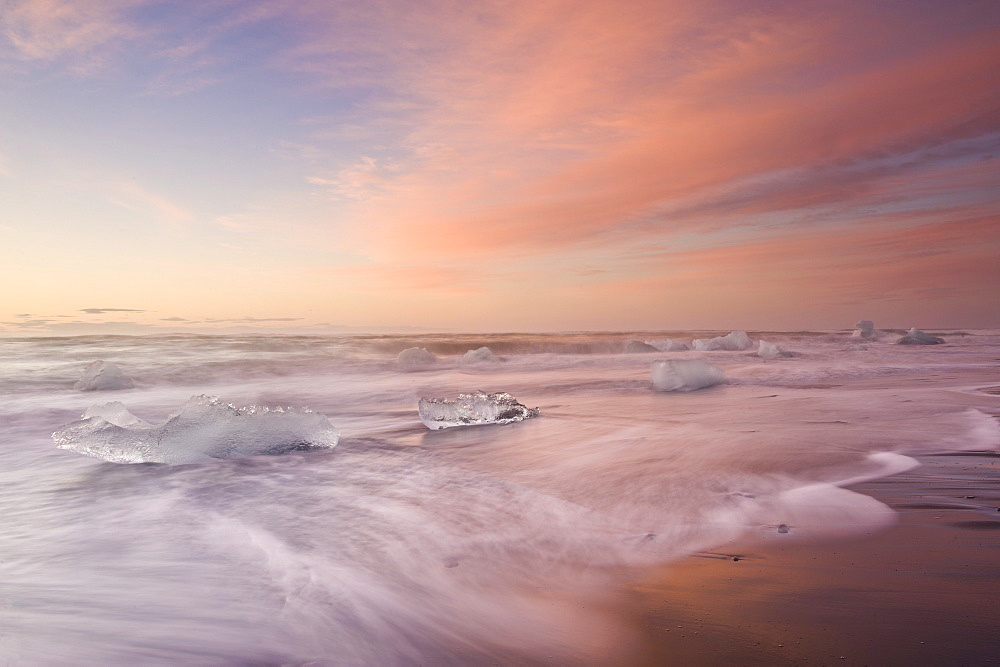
[[482, 355], [415, 357], [865, 329], [203, 429], [917, 337], [732, 342], [103, 376], [685, 375], [472, 409], [638, 347]]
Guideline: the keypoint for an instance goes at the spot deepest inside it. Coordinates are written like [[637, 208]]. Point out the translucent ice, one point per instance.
[[482, 355], [768, 350], [415, 356], [917, 337], [685, 375], [865, 329], [733, 342], [103, 376], [203, 429], [472, 409], [637, 346]]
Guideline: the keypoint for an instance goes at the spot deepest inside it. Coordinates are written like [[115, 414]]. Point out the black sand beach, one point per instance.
[[923, 592]]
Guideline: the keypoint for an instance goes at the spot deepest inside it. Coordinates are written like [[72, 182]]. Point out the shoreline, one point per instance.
[[923, 591]]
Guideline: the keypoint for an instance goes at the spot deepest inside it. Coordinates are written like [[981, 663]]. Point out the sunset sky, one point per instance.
[[498, 166]]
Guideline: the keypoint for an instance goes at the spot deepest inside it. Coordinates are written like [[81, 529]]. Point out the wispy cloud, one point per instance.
[[79, 30], [134, 197], [100, 311]]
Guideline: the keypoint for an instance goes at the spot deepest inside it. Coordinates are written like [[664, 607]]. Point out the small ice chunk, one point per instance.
[[769, 350], [917, 337], [732, 342], [103, 376], [472, 409], [638, 347], [865, 329], [668, 345], [203, 429], [685, 375], [482, 355], [415, 356]]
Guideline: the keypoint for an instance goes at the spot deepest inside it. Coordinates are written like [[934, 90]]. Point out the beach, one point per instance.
[[922, 591], [836, 500]]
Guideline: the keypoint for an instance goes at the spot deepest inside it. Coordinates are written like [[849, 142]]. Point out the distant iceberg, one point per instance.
[[865, 329], [103, 376], [203, 429], [415, 357], [917, 337], [482, 355], [685, 375], [639, 347], [733, 342], [473, 409]]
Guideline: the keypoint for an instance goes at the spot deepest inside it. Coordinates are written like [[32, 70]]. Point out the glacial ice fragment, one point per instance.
[[639, 347], [685, 375], [769, 350], [103, 376], [472, 409], [203, 429], [732, 342], [917, 337], [865, 329], [415, 357], [482, 355]]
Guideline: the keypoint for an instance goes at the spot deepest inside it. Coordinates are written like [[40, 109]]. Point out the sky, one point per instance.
[[517, 165]]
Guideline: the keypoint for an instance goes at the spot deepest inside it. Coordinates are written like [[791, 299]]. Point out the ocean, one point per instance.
[[402, 545]]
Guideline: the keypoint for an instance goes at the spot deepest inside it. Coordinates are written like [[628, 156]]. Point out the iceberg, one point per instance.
[[917, 337], [482, 355], [865, 329], [685, 375], [732, 342], [769, 350], [668, 345], [103, 376], [203, 429], [639, 347], [415, 356], [473, 409]]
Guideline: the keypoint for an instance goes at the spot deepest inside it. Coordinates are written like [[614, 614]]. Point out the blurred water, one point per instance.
[[405, 545]]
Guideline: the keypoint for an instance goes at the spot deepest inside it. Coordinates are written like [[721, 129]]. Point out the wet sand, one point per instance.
[[926, 591]]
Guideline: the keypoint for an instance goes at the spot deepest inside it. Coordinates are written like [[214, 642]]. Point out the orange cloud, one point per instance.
[[545, 126]]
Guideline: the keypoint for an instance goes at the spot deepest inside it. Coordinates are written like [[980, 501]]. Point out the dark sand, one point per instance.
[[925, 592]]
